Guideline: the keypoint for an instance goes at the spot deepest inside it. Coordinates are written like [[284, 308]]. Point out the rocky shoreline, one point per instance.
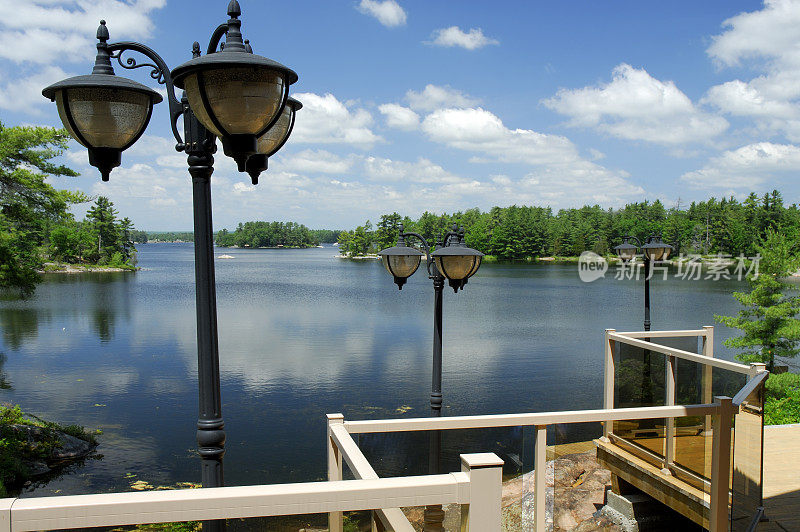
[[80, 268]]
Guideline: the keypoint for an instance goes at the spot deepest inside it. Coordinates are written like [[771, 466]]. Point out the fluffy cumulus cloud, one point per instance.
[[557, 174], [436, 97], [315, 161], [768, 42], [37, 35], [456, 37], [636, 106], [388, 12], [399, 117], [326, 120], [746, 168], [421, 171]]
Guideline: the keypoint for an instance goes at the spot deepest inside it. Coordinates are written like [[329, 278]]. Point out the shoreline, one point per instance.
[[80, 268]]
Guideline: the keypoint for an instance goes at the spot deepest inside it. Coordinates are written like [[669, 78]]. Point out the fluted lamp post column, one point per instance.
[[452, 261], [231, 94]]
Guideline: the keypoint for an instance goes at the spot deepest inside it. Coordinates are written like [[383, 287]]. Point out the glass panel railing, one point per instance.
[[410, 453], [748, 456], [639, 382], [576, 483]]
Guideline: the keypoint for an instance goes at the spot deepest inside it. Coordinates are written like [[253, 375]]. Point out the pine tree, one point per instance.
[[28, 204], [771, 328]]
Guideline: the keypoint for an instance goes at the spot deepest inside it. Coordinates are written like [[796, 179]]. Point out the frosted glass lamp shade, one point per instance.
[[457, 262], [401, 262], [626, 251], [236, 100], [655, 249], [100, 117], [274, 139], [401, 265]]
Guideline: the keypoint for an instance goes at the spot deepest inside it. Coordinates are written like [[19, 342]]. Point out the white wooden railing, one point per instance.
[[478, 487], [721, 411]]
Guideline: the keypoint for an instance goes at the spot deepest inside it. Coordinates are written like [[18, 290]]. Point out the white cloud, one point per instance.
[[37, 37], [435, 97], [388, 12], [771, 32], [768, 40], [421, 171], [399, 116], [326, 120], [478, 130], [26, 93], [636, 106], [456, 37], [315, 161], [746, 167], [560, 177]]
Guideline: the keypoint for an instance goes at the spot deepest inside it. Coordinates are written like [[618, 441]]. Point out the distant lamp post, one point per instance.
[[453, 261], [229, 93], [654, 249]]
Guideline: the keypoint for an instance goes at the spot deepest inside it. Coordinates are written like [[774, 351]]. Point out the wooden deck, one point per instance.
[[782, 476]]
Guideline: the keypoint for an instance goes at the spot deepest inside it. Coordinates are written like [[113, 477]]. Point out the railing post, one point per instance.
[[335, 523], [669, 440], [608, 380], [721, 466], [5, 514], [756, 368], [483, 513], [706, 389], [539, 478]]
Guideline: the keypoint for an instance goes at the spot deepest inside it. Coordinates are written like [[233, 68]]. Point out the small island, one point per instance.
[[265, 235]]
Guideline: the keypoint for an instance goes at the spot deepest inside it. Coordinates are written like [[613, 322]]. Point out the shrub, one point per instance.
[[782, 401]]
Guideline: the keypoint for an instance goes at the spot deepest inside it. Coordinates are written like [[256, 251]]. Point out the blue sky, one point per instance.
[[444, 105]]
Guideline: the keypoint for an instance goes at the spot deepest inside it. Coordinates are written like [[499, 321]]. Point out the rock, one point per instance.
[[66, 449], [575, 491]]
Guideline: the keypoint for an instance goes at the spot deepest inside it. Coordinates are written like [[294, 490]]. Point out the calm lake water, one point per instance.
[[303, 334]]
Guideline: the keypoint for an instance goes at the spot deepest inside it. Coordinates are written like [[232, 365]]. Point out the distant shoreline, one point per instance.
[[82, 268]]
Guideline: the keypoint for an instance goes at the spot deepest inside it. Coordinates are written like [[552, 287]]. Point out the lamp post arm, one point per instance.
[[427, 247], [160, 72], [216, 37], [631, 237]]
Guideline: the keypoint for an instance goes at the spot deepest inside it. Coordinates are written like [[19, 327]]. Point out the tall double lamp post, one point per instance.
[[454, 261], [231, 94], [653, 249]]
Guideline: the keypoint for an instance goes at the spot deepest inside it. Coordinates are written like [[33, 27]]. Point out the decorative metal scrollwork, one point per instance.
[[130, 63]]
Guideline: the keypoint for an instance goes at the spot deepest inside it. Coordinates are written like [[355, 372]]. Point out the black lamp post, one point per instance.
[[229, 93], [453, 261], [652, 250]]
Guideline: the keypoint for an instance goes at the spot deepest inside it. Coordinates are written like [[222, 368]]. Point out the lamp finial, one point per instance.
[[233, 39], [102, 62]]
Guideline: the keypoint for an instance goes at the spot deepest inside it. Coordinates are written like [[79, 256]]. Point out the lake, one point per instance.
[[303, 334]]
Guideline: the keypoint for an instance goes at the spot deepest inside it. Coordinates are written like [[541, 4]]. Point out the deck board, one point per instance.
[[782, 475]]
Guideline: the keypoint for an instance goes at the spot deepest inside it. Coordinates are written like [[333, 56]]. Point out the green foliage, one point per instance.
[[169, 236], [520, 233], [29, 206], [101, 238], [325, 236], [267, 235], [15, 449], [782, 402], [768, 318]]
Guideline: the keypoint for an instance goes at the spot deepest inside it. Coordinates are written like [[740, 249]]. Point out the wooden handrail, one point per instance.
[[113, 509], [679, 353], [511, 420]]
